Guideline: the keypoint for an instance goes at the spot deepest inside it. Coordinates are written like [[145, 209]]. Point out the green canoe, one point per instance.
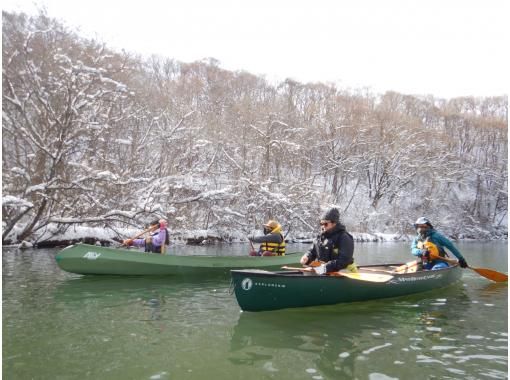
[[90, 259], [259, 290]]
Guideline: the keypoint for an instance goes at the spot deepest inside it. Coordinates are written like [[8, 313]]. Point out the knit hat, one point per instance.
[[332, 214]]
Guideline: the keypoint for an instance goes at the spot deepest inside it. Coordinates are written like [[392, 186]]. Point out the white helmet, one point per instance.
[[423, 220]]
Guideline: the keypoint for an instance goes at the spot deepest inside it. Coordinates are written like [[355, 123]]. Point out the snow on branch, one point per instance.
[[12, 201]]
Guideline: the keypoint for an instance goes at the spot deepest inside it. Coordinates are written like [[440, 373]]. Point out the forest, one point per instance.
[[99, 138]]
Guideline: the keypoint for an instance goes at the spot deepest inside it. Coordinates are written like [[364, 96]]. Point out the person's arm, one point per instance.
[[269, 238], [310, 256], [414, 248], [445, 242], [139, 243]]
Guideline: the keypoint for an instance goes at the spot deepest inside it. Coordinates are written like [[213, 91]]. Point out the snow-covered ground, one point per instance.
[[103, 236]]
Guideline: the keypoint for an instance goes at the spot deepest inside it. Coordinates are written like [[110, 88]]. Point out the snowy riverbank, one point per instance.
[[107, 237]]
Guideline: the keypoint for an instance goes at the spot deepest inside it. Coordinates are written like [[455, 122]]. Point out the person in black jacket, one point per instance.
[[334, 246]]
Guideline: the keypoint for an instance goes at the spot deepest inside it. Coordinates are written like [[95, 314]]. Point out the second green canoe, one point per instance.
[[90, 259]]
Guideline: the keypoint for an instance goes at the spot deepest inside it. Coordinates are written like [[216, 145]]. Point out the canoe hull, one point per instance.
[[89, 259], [257, 290]]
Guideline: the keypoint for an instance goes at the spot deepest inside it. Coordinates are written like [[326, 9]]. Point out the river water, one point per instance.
[[58, 325]]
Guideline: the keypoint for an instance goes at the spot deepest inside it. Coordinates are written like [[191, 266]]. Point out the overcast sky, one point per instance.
[[446, 48]]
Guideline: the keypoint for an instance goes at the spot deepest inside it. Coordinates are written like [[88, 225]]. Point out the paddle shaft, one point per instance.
[[252, 252], [449, 261], [369, 277], [484, 272], [311, 270], [140, 234]]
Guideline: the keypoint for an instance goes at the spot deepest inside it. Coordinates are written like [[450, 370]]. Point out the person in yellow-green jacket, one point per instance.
[[272, 243]]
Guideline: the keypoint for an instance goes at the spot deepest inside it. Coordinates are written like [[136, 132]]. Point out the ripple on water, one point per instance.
[[427, 359], [376, 348], [159, 376], [495, 374], [443, 348], [380, 376], [456, 371], [268, 366], [464, 358]]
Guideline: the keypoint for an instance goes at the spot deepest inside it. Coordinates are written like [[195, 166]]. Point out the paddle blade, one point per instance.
[[491, 274]]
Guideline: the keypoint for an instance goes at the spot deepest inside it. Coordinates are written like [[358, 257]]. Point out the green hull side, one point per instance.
[[261, 290], [89, 259]]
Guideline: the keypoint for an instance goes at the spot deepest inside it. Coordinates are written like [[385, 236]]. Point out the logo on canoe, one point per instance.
[[91, 255], [246, 284], [434, 276]]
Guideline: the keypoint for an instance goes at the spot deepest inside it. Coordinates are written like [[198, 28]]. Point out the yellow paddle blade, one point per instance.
[[491, 274], [370, 277]]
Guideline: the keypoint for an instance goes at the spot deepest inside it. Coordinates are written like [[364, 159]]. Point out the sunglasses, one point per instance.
[[325, 223]]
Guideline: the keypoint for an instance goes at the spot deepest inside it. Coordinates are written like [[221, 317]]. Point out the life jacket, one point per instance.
[[277, 248], [434, 250]]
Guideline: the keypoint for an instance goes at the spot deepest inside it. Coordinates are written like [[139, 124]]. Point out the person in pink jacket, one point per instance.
[[157, 240]]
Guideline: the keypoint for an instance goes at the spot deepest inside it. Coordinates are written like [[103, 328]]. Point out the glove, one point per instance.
[[304, 260], [163, 224], [127, 242], [463, 263], [321, 269]]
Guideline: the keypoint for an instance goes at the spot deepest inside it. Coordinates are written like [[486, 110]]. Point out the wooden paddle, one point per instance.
[[138, 235], [487, 273], [252, 252], [491, 274], [370, 277], [449, 261]]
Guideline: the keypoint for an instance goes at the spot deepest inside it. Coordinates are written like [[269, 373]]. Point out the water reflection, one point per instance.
[[392, 335]]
